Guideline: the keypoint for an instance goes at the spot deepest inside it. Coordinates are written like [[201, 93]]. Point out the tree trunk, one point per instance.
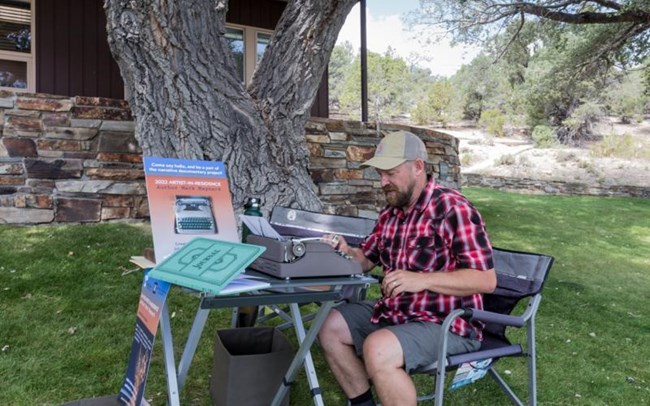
[[188, 102]]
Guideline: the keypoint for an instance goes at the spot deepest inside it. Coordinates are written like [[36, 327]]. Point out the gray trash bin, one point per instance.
[[248, 367]]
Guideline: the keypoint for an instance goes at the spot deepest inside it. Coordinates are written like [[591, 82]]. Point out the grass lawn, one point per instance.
[[67, 308]]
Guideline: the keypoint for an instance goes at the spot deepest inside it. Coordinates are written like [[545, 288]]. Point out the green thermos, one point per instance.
[[247, 316], [251, 208]]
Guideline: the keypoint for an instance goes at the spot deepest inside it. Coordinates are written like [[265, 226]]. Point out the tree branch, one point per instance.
[[628, 16]]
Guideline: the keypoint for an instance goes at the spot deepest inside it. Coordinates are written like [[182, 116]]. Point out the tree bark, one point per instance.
[[188, 102]]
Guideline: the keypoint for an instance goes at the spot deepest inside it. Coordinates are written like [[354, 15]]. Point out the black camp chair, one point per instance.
[[520, 275]]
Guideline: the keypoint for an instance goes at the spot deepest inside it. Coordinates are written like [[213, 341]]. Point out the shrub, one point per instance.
[[565, 156], [467, 159], [614, 145], [493, 121], [507, 159], [421, 114], [544, 136]]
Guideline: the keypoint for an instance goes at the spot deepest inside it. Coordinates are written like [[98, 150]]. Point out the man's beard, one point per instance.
[[398, 199]]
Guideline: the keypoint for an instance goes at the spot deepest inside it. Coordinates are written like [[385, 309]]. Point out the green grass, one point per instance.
[[592, 324]]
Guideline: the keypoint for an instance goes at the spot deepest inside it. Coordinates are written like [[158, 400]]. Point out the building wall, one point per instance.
[[73, 57], [76, 160], [72, 53]]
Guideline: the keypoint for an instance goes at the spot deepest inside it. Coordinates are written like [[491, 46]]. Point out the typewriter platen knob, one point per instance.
[[298, 249]]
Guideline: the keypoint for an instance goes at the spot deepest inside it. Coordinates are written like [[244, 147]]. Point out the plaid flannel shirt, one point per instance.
[[442, 233]]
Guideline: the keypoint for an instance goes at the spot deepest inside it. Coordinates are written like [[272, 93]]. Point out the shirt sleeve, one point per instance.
[[370, 246], [470, 243]]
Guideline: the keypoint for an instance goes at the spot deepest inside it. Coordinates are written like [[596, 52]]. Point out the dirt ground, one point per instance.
[[517, 156]]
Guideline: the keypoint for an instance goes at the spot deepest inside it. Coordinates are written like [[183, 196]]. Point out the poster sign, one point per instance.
[[152, 299], [188, 199]]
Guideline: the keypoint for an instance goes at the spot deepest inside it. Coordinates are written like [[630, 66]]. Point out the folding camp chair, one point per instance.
[[520, 275]]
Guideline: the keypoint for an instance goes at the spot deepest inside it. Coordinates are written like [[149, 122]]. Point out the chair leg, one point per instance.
[[431, 394], [504, 386], [440, 384], [532, 364]]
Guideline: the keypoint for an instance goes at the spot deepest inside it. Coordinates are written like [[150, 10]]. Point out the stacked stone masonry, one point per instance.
[[76, 160], [553, 187]]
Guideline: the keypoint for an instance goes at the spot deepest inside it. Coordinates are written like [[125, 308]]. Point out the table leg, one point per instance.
[[303, 355], [190, 347], [310, 369], [168, 353]]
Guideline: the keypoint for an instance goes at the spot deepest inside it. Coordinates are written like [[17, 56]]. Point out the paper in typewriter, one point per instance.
[[206, 265], [260, 226]]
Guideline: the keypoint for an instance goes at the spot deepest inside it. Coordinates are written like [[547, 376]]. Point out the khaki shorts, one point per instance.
[[419, 340]]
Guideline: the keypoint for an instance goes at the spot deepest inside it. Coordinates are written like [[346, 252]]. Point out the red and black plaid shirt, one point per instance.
[[442, 233]]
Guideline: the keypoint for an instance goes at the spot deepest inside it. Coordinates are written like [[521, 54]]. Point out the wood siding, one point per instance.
[[72, 53], [73, 57], [255, 13]]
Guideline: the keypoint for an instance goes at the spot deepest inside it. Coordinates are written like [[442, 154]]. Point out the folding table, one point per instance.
[[324, 291]]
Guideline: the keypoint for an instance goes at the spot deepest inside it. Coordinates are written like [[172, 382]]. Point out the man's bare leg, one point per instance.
[[384, 361], [348, 369]]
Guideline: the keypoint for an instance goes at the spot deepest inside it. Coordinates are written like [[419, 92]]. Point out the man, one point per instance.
[[436, 257]]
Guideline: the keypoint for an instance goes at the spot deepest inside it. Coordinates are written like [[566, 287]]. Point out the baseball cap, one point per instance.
[[396, 148]]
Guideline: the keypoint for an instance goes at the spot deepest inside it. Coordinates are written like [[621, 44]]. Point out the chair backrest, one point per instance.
[[519, 275]]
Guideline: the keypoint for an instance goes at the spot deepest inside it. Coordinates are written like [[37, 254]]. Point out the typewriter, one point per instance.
[[194, 215], [300, 253]]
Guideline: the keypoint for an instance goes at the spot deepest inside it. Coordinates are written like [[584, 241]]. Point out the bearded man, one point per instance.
[[436, 257]]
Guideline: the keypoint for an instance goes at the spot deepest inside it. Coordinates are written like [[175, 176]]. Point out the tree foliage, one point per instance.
[[557, 56], [393, 87], [480, 21]]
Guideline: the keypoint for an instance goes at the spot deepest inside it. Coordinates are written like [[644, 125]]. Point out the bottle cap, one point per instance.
[[253, 202]]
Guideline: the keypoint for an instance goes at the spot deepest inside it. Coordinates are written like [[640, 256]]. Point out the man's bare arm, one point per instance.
[[461, 282]]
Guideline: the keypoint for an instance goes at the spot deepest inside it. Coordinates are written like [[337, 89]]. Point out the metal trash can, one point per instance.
[[248, 367]]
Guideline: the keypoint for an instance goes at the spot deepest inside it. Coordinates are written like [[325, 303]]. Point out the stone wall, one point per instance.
[[76, 160], [338, 148], [555, 187]]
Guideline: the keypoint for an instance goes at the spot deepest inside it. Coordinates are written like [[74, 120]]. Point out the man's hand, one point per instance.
[[339, 244], [401, 281]]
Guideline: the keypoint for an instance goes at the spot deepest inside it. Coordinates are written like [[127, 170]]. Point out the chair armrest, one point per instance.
[[505, 319], [498, 318]]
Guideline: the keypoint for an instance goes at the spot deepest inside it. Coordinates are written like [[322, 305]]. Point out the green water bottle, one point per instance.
[[251, 208], [247, 316]]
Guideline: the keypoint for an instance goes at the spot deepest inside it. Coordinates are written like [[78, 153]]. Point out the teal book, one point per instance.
[[206, 265]]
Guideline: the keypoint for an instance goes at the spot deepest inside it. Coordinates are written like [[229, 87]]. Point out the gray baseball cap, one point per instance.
[[396, 148]]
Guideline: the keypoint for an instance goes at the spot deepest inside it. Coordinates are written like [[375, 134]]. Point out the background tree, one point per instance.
[[341, 67], [437, 105], [626, 98], [389, 87], [479, 22], [560, 54], [188, 102]]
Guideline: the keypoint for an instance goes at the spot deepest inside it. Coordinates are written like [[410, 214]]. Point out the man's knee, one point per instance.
[[382, 350], [333, 330]]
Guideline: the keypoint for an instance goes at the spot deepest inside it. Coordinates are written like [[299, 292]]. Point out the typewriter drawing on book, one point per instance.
[[194, 215], [294, 248]]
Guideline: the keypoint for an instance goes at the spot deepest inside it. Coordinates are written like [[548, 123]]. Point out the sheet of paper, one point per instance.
[[260, 226]]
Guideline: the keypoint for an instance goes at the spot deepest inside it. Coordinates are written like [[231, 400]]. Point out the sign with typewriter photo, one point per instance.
[[187, 199]]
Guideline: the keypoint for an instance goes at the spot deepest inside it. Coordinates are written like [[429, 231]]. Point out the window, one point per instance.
[[16, 50], [247, 45]]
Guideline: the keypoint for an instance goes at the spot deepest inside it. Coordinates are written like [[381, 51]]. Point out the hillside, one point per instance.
[[620, 155]]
